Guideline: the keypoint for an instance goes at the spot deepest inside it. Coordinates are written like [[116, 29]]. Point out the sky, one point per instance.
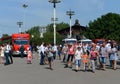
[[40, 12]]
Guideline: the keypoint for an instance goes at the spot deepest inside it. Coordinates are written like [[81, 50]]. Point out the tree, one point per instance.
[[5, 39], [48, 36], [59, 26], [107, 26]]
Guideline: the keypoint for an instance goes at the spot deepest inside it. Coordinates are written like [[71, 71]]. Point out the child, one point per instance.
[[50, 56], [29, 56], [93, 59], [85, 60], [78, 55]]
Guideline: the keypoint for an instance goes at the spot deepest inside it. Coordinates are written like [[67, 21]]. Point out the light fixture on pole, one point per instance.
[[42, 29], [24, 6], [20, 24], [70, 13], [52, 19], [54, 26]]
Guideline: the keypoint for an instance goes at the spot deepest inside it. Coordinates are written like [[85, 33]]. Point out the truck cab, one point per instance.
[[19, 40]]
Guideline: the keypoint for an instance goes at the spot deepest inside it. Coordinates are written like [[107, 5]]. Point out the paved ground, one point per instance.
[[21, 73]]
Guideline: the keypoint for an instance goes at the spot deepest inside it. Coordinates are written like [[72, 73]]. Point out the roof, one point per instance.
[[69, 39]]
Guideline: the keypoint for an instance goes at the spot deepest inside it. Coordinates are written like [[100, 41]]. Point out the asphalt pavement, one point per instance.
[[22, 73]]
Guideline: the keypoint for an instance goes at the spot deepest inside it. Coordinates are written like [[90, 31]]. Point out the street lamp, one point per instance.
[[24, 6], [70, 13], [19, 24], [54, 26], [42, 29], [52, 19]]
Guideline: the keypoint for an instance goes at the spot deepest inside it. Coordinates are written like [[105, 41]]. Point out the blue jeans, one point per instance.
[[7, 58], [54, 55], [42, 59], [78, 62], [103, 60], [64, 58], [110, 61], [22, 54]]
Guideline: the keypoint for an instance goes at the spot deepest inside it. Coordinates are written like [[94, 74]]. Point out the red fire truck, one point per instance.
[[19, 40], [100, 41]]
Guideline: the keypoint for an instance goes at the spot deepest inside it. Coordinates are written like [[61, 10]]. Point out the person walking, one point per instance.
[[85, 60], [50, 56], [41, 50], [10, 54], [71, 52], [55, 51], [29, 56], [103, 54], [78, 55], [93, 58], [114, 56], [22, 51], [2, 54], [108, 46], [7, 49], [64, 52]]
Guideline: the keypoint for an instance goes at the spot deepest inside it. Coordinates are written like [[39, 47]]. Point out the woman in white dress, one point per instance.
[[2, 54], [114, 56]]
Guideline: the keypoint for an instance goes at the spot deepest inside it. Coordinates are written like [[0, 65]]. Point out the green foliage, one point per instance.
[[7, 39], [107, 26], [5, 35], [48, 36], [59, 26]]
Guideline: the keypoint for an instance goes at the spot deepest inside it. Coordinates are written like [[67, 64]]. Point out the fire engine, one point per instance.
[[100, 41], [19, 40]]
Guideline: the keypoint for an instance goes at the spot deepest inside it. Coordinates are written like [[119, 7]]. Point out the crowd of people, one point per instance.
[[89, 56], [84, 56], [6, 54]]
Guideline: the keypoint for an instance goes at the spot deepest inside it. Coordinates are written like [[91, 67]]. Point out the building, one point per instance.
[[77, 31]]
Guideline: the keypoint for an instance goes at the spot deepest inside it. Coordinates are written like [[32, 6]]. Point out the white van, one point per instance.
[[85, 41], [70, 40]]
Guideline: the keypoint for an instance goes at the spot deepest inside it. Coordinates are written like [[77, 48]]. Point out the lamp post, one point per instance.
[[19, 24], [70, 13], [42, 29], [54, 26], [24, 6]]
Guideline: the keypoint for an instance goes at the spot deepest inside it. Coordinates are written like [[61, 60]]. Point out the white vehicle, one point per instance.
[[69, 40], [85, 41]]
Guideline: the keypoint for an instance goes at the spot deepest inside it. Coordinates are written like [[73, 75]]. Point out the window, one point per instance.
[[20, 42]]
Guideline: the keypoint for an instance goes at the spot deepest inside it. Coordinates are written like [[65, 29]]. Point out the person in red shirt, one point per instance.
[[71, 52]]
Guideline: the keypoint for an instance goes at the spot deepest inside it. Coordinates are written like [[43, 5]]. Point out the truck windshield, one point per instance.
[[71, 41], [87, 42], [100, 42], [20, 42]]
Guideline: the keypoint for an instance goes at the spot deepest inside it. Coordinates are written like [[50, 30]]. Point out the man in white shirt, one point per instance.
[[108, 46], [41, 50], [7, 49], [55, 51]]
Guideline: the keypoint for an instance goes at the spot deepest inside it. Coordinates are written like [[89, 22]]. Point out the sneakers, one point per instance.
[[93, 71], [66, 66], [76, 70], [51, 68]]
